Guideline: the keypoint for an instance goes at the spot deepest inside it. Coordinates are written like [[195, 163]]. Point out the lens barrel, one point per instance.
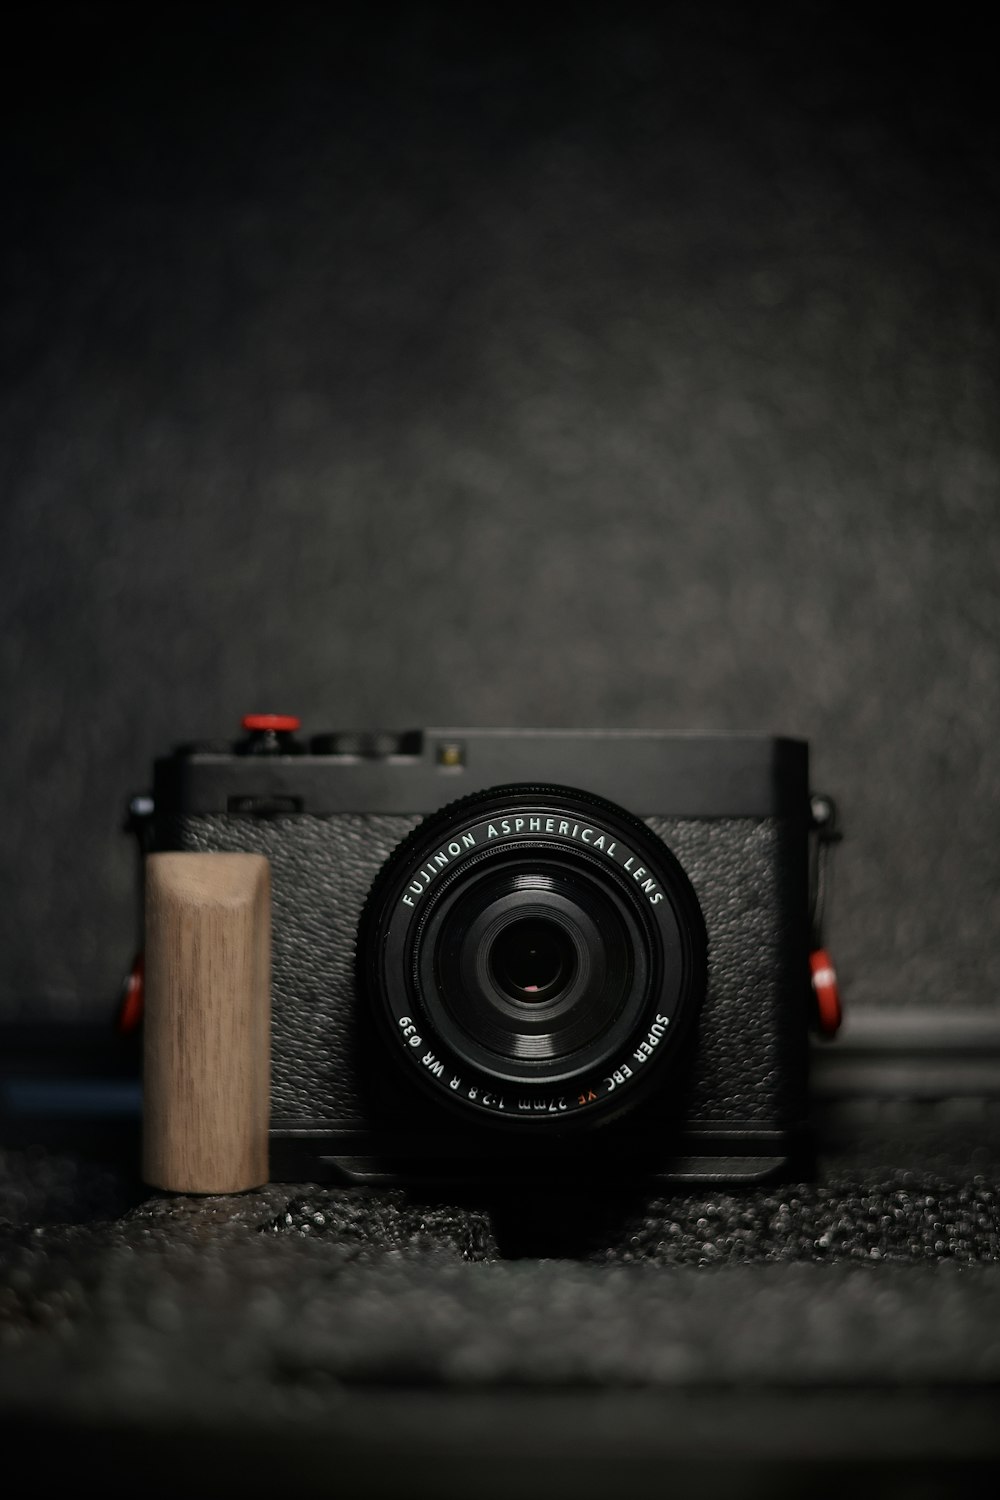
[[533, 955]]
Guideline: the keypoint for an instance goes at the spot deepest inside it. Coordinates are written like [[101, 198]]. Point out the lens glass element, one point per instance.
[[532, 960]]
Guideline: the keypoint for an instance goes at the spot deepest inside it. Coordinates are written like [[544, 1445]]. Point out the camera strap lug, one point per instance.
[[825, 832], [131, 1005]]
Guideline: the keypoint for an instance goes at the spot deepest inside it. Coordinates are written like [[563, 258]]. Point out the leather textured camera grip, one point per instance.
[[208, 1022]]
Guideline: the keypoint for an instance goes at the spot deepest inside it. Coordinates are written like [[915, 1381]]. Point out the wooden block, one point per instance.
[[207, 1061]]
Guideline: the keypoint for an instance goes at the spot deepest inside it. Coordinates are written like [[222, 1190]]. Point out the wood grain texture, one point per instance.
[[208, 1022]]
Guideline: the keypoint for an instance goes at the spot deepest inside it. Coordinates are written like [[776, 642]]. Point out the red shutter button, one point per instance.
[[829, 1011], [273, 723]]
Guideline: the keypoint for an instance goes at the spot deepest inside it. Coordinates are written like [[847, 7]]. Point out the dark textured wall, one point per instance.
[[590, 370]]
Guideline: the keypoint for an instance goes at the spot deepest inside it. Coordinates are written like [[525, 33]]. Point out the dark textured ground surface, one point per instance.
[[378, 1342], [811, 1336], [876, 1276], [433, 367]]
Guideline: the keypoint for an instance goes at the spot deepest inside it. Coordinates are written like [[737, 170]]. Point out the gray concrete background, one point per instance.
[[634, 372]]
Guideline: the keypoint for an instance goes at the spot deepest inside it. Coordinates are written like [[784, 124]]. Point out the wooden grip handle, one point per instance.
[[207, 1060]]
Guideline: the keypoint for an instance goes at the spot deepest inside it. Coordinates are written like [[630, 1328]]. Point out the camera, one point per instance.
[[522, 955]]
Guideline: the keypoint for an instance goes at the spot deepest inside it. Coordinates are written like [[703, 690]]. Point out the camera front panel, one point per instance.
[[747, 1068]]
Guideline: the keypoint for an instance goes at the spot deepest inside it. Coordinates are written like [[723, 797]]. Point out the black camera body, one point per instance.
[[518, 956]]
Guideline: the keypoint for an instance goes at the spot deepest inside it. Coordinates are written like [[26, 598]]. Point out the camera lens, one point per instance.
[[532, 959], [529, 965], [533, 954]]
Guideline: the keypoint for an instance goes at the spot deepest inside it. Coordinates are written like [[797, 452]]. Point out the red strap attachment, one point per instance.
[[829, 1011], [133, 998]]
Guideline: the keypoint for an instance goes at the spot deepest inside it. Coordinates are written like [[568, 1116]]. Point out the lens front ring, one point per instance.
[[610, 899]]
